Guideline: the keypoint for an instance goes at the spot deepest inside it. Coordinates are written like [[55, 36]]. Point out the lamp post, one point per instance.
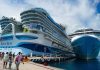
[[44, 51], [31, 53]]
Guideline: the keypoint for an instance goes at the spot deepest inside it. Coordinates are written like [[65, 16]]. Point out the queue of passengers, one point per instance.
[[7, 57], [10, 58]]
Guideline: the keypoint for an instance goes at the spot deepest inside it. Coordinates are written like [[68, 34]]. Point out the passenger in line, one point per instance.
[[5, 60], [10, 60], [0, 55], [18, 59], [13, 56]]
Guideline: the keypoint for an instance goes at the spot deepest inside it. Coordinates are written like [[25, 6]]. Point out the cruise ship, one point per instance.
[[86, 43], [4, 22], [37, 34]]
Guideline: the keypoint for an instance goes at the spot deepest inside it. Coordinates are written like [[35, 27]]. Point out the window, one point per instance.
[[25, 37]]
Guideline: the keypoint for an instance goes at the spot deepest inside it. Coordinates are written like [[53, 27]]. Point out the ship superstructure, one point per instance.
[[85, 31], [4, 22], [37, 33]]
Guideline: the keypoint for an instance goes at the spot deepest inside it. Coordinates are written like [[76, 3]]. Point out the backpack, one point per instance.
[[10, 56], [17, 58]]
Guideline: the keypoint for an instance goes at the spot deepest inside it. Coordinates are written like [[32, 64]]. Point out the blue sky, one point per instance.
[[73, 14]]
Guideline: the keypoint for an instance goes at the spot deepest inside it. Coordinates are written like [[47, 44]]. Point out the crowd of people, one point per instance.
[[8, 58]]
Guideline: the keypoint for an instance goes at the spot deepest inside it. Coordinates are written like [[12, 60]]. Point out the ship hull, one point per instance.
[[29, 44], [36, 49], [86, 47]]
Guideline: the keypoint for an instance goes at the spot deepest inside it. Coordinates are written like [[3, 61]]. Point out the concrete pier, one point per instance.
[[35, 63], [29, 66]]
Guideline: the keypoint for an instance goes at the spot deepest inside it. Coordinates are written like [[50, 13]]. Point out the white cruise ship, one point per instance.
[[86, 43], [37, 33]]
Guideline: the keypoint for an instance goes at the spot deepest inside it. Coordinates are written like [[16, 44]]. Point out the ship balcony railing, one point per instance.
[[47, 37], [26, 33], [52, 38], [34, 29]]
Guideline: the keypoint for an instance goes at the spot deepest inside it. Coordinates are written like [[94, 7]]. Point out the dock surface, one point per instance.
[[29, 66]]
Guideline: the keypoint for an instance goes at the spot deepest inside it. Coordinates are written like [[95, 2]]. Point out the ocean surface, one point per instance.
[[76, 64]]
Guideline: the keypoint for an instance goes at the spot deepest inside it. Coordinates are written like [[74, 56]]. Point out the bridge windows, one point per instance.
[[33, 28]]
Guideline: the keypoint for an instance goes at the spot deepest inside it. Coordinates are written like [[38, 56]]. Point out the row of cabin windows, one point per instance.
[[27, 18], [6, 47], [7, 43], [29, 12]]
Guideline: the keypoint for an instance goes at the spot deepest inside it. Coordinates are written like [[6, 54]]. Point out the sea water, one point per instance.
[[76, 64]]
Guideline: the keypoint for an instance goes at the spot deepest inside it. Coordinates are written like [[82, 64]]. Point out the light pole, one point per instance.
[[44, 51], [31, 53]]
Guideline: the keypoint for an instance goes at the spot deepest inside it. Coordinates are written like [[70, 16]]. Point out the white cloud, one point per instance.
[[7, 8], [74, 14], [95, 22]]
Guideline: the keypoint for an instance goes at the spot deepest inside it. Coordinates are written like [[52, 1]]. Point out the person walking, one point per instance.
[[13, 56], [0, 55], [18, 59], [5, 60], [10, 59]]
